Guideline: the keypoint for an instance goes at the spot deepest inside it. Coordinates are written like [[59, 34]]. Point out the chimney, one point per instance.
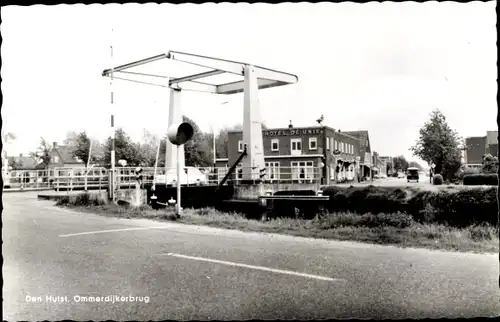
[[290, 125], [54, 145], [20, 155]]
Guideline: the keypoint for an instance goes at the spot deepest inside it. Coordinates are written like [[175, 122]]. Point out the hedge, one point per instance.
[[487, 179], [455, 208]]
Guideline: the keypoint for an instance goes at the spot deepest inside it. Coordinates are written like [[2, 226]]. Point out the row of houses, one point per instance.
[[318, 152], [61, 156], [477, 146]]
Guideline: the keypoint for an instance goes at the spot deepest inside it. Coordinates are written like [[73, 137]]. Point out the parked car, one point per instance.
[[412, 174], [401, 175], [190, 176]]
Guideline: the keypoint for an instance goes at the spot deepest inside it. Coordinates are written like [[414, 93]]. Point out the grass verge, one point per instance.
[[385, 229]]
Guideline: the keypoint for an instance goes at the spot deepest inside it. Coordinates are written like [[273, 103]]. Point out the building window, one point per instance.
[[313, 143], [327, 143], [240, 146], [275, 145], [56, 159], [331, 143], [296, 146], [303, 170], [273, 170], [336, 145], [341, 146]]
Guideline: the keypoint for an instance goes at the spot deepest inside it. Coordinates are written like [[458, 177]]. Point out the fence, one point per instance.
[[98, 178], [27, 179]]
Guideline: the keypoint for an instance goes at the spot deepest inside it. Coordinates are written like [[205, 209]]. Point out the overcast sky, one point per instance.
[[376, 67]]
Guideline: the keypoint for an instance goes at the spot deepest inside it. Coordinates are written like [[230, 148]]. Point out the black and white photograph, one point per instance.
[[249, 161]]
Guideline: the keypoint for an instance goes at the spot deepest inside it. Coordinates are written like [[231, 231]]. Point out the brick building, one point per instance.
[[365, 152], [309, 153], [477, 146]]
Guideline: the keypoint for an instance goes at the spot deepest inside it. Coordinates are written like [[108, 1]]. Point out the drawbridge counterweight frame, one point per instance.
[[254, 78]]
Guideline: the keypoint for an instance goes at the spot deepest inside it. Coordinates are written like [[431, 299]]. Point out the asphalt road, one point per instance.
[[191, 272]]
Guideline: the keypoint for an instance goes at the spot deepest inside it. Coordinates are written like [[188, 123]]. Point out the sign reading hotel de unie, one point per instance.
[[289, 132]]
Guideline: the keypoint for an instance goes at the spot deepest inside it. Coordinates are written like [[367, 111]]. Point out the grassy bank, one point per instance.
[[388, 229]]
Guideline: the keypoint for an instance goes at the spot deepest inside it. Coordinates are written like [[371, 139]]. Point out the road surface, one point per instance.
[[175, 271]]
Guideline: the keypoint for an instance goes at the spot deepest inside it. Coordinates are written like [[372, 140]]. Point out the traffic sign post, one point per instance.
[[431, 171]]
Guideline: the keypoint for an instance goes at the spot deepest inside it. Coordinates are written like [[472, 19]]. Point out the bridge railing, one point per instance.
[[16, 179], [281, 175], [98, 177]]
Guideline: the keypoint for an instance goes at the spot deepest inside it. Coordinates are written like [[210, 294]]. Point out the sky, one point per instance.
[[381, 67]]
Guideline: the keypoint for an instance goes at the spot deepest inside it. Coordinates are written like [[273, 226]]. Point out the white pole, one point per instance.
[[88, 164], [113, 170], [213, 143], [178, 208], [156, 164]]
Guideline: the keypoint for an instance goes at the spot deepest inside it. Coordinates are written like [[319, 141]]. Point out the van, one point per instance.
[[412, 174]]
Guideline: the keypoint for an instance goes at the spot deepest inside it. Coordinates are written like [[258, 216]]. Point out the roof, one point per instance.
[[41, 166], [26, 163], [66, 154], [358, 134]]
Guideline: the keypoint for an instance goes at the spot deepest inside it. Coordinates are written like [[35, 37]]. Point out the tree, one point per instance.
[[71, 139], [415, 164], [388, 168], [440, 145], [7, 137], [400, 163], [147, 149], [81, 148], [124, 149], [490, 164], [15, 164], [198, 151], [221, 140], [43, 153]]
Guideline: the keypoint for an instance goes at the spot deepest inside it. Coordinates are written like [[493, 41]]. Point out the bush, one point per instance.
[[437, 180], [452, 207], [487, 179], [467, 171], [479, 233], [397, 220], [83, 199], [472, 206]]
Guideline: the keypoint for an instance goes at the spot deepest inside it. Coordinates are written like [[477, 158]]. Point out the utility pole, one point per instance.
[[112, 182]]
